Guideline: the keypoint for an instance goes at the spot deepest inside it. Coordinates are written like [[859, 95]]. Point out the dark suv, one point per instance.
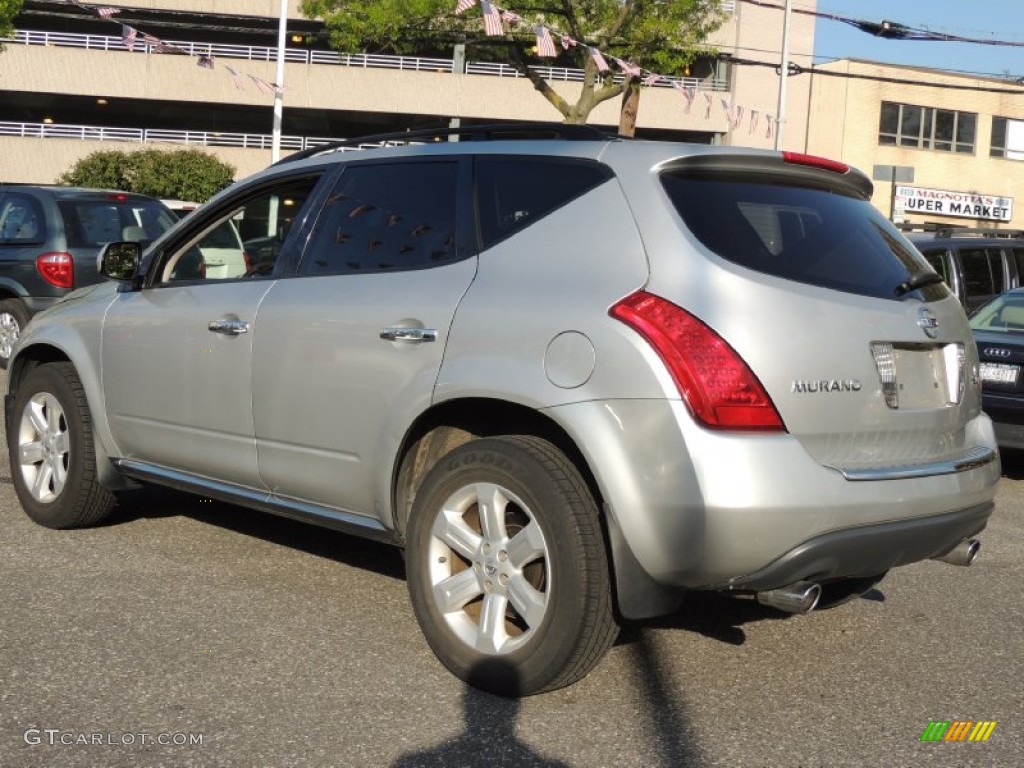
[[976, 264], [50, 238]]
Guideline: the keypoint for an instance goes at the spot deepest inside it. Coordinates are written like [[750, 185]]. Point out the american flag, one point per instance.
[[545, 45], [464, 5], [205, 61], [513, 19], [710, 100], [237, 77], [688, 91], [630, 69], [602, 65], [567, 42], [652, 78], [754, 114], [128, 35], [264, 87], [105, 12], [492, 18]]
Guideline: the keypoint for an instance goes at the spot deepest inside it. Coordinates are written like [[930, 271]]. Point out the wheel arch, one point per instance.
[[448, 425], [42, 353]]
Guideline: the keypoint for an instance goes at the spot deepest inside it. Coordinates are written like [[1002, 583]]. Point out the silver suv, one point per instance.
[[572, 376]]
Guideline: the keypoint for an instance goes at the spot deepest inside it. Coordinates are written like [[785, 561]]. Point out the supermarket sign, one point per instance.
[[943, 202]]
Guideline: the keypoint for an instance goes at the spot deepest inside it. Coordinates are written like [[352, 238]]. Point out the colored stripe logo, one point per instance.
[[958, 730]]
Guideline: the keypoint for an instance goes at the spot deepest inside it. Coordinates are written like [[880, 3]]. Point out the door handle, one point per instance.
[[418, 335], [229, 327]]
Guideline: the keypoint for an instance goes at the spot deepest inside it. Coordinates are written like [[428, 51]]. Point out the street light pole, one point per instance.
[[780, 113], [275, 145]]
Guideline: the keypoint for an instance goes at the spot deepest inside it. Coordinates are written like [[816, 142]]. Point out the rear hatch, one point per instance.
[[858, 343], [92, 219]]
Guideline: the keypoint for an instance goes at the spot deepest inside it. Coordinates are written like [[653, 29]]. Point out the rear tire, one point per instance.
[[507, 568], [50, 445], [13, 319]]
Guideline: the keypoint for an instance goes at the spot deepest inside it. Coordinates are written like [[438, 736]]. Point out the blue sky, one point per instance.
[[996, 20]]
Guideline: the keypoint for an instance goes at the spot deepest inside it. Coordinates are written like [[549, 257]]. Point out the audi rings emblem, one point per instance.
[[997, 352], [928, 322]]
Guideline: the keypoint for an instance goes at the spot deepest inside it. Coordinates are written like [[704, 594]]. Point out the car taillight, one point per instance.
[[57, 269], [716, 384], [248, 261]]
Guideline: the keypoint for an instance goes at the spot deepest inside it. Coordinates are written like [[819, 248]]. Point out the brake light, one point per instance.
[[716, 384], [798, 158], [57, 268], [118, 198]]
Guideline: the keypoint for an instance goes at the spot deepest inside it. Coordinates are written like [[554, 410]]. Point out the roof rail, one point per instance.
[[486, 132], [940, 231]]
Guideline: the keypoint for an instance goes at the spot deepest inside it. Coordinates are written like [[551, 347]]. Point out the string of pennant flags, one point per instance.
[[495, 18], [132, 37]]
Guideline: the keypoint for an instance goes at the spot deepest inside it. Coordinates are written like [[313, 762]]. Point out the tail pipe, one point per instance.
[[964, 553], [800, 597]]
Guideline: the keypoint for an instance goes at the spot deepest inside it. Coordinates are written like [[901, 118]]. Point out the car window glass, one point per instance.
[[91, 223], [805, 234], [1004, 313], [514, 192], [939, 260], [21, 221], [1018, 258], [384, 217], [244, 241], [983, 272]]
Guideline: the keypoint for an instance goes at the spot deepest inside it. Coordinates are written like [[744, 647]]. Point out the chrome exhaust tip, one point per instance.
[[800, 597], [964, 553]]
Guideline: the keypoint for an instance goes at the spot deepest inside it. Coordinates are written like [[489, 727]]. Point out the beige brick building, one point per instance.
[[961, 137]]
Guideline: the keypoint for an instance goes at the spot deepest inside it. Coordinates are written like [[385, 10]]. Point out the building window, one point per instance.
[[907, 125], [1007, 138]]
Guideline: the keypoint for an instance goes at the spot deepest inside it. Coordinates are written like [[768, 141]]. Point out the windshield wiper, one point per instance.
[[919, 280]]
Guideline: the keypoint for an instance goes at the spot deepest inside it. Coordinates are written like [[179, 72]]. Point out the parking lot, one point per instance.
[[192, 633]]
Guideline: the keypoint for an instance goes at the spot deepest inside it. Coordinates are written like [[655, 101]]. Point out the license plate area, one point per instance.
[[920, 376], [1000, 373]]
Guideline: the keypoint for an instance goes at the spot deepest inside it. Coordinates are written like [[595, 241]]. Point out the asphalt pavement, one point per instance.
[[194, 633]]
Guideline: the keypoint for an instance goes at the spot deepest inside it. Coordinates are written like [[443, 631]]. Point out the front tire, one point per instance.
[[507, 569], [50, 445]]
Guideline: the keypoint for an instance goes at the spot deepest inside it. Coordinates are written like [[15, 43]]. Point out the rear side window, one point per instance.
[[91, 223], [939, 261], [808, 235], [386, 216], [983, 274], [21, 221], [514, 192]]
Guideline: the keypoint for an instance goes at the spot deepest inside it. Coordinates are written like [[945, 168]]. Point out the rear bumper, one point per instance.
[[689, 508], [867, 551]]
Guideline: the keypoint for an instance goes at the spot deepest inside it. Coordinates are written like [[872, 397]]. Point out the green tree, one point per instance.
[[8, 10], [187, 174], [662, 36]]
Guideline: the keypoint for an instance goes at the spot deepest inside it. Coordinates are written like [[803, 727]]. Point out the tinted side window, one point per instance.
[[1018, 258], [514, 192], [939, 260], [386, 216], [804, 234], [21, 220], [90, 223], [983, 273]]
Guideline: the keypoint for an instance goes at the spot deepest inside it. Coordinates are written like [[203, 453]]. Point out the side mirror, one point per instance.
[[120, 261]]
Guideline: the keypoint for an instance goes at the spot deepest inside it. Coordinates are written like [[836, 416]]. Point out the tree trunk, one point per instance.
[[629, 108]]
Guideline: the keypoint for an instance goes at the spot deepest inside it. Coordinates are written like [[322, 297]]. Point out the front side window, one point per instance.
[[909, 125], [21, 220], [386, 216], [244, 241]]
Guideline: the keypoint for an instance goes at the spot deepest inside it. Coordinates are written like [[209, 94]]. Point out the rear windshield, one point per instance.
[[809, 235], [90, 223]]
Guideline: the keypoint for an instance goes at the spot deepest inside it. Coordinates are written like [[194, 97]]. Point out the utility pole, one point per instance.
[[780, 113], [275, 144]]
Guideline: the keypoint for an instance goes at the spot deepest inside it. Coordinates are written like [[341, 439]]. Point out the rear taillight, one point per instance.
[[248, 261], [718, 387], [57, 269]]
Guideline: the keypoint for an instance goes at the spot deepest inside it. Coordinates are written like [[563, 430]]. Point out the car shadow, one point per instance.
[[153, 502]]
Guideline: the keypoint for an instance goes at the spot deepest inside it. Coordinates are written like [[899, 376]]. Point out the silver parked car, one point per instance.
[[572, 376]]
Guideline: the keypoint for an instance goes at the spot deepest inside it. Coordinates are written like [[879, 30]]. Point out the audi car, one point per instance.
[[999, 332]]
